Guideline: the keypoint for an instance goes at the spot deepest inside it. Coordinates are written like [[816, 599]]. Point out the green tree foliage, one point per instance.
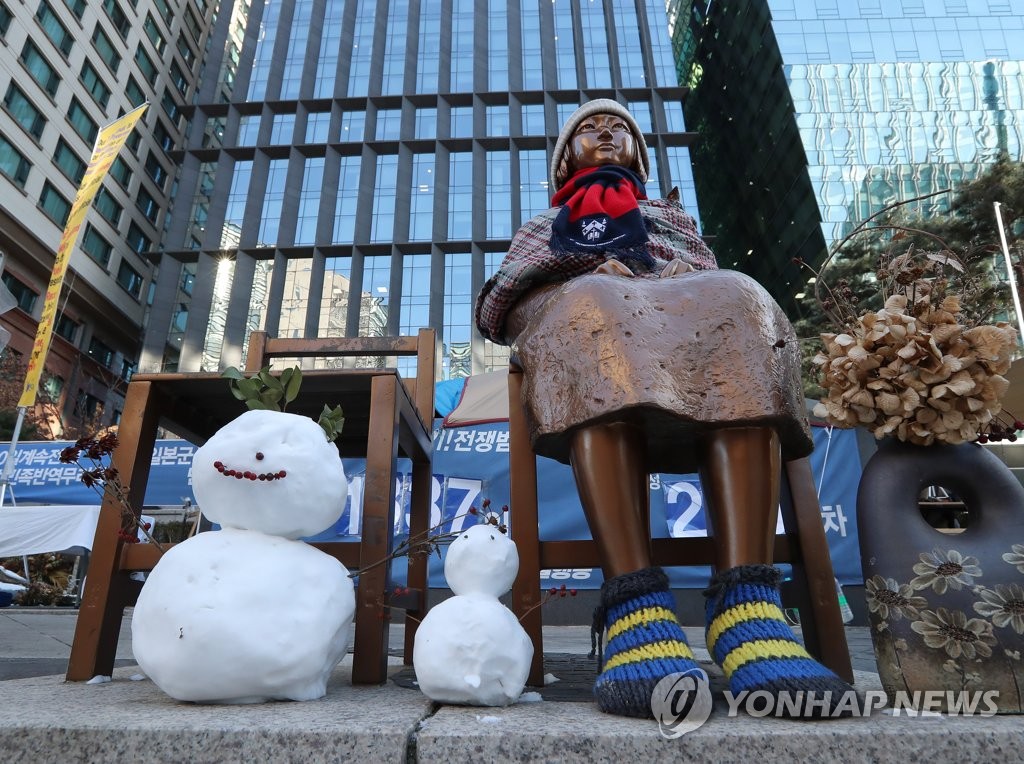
[[968, 230]]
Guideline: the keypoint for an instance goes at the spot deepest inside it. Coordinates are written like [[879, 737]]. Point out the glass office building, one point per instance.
[[815, 114], [358, 167]]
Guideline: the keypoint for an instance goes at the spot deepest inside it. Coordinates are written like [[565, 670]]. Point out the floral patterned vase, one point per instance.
[[946, 610]]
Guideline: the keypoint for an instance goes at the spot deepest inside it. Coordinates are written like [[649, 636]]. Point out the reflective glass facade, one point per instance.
[[822, 112], [365, 163]]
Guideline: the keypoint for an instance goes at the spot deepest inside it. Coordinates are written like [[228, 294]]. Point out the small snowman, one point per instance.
[[248, 614], [470, 649]]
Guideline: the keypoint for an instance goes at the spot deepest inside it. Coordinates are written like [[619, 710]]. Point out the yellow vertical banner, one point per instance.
[[108, 143]]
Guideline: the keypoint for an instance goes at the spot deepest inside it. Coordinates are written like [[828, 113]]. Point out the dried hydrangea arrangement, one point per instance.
[[922, 368]]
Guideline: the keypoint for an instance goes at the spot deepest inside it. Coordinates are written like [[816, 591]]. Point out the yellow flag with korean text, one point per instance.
[[108, 143]]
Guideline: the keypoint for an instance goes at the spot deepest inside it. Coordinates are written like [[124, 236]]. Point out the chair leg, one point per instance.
[[418, 526], [823, 631], [524, 527], [108, 589], [370, 657]]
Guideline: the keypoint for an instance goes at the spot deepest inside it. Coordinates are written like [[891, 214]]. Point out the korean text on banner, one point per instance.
[[109, 142]]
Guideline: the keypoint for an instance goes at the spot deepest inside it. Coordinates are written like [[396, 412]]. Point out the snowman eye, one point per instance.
[[492, 538], [466, 536], [259, 456]]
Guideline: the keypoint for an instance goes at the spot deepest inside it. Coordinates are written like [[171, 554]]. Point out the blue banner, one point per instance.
[[471, 465]]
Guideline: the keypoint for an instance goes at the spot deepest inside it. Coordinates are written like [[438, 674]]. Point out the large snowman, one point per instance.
[[248, 614], [471, 649]]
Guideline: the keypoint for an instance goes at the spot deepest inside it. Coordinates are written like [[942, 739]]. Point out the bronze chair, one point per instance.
[[803, 545], [385, 416]]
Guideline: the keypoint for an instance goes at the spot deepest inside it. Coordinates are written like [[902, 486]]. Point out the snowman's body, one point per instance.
[[470, 649], [247, 613]]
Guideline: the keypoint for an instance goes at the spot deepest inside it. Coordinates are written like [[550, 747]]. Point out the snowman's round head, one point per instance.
[[271, 472], [482, 560]]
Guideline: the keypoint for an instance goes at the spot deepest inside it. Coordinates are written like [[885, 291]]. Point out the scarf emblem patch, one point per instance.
[[594, 229]]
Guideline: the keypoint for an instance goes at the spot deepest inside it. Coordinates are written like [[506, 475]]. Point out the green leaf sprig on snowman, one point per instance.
[[263, 391]]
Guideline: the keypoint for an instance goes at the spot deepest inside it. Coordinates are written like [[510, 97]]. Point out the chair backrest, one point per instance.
[[425, 346]]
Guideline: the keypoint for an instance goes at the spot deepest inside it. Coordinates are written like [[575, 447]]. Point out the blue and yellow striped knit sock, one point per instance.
[[747, 635], [645, 641]]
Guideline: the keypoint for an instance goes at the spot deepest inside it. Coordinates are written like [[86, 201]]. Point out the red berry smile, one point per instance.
[[247, 474]]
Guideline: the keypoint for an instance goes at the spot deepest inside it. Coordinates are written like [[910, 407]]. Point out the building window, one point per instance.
[[187, 54], [415, 310], [127, 369], [5, 19], [382, 226], [82, 122], [98, 248], [147, 205], [23, 294], [462, 122], [170, 105], [117, 17], [630, 44], [533, 76], [394, 48], [295, 56], [421, 200], [373, 305], [273, 199], [193, 26], [389, 124], [533, 119], [282, 129], [595, 45], [497, 45], [13, 164], [163, 136], [330, 44], [565, 50], [155, 170], [426, 124], [108, 207], [345, 207], [97, 87], [66, 328], [362, 48], [68, 161], [165, 11], [57, 32], [248, 130], [178, 78], [429, 51], [89, 406], [533, 183], [77, 7], [309, 201], [497, 120], [458, 314], [318, 126], [134, 92], [353, 124], [146, 66], [154, 35], [106, 49], [138, 240], [460, 196], [24, 111], [462, 47], [54, 204], [499, 196], [121, 172], [40, 68], [101, 352], [130, 279]]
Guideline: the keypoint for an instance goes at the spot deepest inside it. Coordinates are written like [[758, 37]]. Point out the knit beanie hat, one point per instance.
[[599, 106]]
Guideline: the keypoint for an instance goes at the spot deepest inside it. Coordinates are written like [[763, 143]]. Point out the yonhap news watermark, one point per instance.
[[683, 702]]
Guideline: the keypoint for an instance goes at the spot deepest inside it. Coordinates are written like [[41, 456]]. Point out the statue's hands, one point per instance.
[[676, 267], [613, 267]]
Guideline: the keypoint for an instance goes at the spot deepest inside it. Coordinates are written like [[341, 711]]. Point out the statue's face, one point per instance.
[[602, 139]]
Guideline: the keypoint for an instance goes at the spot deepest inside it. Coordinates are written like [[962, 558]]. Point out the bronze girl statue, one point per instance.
[[640, 356]]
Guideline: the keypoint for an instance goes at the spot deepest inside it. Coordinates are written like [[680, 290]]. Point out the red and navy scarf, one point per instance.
[[600, 213]]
